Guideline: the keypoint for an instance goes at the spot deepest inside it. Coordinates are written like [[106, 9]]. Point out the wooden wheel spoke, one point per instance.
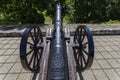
[[29, 52], [85, 52], [75, 38], [34, 61], [75, 55], [38, 34], [30, 43], [78, 55], [80, 36], [81, 61], [38, 38], [83, 56], [37, 58], [80, 32], [85, 43], [31, 59], [82, 39], [32, 37], [35, 34]]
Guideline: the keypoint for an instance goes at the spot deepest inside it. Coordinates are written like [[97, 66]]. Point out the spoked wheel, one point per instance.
[[84, 51], [30, 50]]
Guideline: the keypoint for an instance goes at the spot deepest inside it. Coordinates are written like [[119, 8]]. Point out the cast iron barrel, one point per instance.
[[57, 69]]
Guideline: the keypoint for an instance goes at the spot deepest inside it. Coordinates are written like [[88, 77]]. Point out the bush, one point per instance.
[[113, 21]]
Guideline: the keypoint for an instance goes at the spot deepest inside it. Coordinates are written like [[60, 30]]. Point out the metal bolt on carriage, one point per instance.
[[57, 56]]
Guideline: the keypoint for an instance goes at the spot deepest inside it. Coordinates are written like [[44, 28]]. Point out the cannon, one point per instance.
[[58, 55]]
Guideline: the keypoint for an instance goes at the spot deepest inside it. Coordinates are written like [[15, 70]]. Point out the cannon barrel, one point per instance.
[[57, 69]]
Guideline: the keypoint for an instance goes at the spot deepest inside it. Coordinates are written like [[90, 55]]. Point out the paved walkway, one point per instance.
[[106, 64]]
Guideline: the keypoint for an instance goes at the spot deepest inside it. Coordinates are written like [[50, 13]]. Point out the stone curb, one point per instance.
[[100, 32], [96, 29]]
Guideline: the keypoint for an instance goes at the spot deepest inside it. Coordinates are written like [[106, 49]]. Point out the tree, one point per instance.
[[113, 9], [50, 11], [98, 11], [85, 11], [24, 11], [76, 11]]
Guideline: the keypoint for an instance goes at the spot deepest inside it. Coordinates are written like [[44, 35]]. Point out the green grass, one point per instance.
[[113, 22], [48, 19], [65, 20]]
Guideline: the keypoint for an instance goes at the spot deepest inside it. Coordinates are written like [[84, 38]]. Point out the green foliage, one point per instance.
[[113, 9], [50, 11], [24, 11], [87, 11], [74, 11], [93, 11], [70, 11], [112, 21]]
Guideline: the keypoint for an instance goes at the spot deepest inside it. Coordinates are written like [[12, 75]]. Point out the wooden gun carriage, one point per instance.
[[58, 56]]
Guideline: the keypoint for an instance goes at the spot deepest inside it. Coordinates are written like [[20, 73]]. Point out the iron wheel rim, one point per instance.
[[81, 33], [35, 34]]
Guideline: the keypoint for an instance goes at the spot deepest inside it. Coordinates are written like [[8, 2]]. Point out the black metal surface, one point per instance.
[[58, 69], [31, 49], [84, 51]]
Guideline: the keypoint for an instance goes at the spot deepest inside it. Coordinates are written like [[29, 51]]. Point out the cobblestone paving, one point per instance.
[[106, 65]]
